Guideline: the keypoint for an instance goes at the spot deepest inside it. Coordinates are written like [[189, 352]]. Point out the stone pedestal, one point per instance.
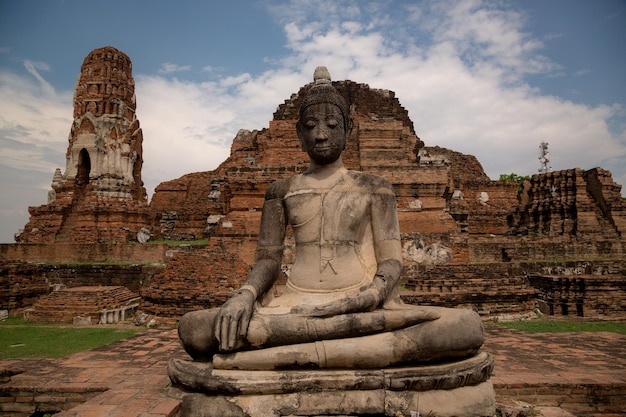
[[460, 388]]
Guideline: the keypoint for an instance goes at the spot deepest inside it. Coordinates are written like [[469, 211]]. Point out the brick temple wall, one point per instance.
[[461, 231], [84, 253], [490, 289], [21, 284], [571, 202], [194, 278], [583, 288]]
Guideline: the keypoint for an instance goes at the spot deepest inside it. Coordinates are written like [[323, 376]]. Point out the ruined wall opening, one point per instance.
[[84, 167]]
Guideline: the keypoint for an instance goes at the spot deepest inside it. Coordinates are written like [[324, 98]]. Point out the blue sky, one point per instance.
[[489, 78]]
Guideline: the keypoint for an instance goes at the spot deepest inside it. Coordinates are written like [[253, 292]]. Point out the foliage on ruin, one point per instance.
[[513, 177]]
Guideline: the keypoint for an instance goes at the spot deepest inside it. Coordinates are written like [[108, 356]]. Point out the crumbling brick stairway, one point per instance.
[[96, 304]]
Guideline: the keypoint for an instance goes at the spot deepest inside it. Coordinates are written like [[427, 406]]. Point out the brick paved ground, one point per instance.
[[584, 373]]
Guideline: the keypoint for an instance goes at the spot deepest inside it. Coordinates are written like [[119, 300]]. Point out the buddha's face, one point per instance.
[[322, 132]]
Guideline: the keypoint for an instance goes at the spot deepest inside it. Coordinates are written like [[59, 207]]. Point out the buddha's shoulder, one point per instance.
[[373, 183], [279, 188], [366, 182]]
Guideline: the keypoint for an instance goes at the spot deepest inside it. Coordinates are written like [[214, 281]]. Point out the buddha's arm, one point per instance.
[[234, 316], [387, 245]]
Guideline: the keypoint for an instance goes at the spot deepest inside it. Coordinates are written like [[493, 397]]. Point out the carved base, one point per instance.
[[472, 401], [461, 388]]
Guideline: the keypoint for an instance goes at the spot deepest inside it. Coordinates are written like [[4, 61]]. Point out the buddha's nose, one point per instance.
[[321, 135]]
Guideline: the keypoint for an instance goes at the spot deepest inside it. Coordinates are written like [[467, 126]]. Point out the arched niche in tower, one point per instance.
[[84, 167], [86, 126], [85, 135]]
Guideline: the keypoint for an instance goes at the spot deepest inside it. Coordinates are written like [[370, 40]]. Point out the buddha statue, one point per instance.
[[340, 308]]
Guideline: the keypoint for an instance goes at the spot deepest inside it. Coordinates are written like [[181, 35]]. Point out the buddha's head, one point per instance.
[[324, 123]]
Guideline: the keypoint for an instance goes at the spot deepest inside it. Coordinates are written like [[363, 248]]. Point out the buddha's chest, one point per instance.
[[318, 215]]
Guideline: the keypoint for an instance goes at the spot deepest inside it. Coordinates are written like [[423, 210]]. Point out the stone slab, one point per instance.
[[471, 371], [471, 401]]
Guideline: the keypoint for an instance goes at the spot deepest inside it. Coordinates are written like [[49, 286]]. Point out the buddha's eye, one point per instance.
[[309, 124], [332, 122]]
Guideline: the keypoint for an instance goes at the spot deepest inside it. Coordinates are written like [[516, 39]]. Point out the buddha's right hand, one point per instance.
[[231, 325]]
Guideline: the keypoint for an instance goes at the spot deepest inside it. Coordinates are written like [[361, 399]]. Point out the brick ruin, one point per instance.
[[572, 202], [100, 197], [467, 240]]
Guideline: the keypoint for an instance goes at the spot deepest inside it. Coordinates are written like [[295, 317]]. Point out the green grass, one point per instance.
[[19, 339], [561, 326]]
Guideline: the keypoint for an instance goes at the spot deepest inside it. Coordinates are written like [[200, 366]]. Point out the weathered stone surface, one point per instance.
[[469, 401], [581, 295], [21, 285], [572, 202], [491, 289], [100, 197], [468, 372]]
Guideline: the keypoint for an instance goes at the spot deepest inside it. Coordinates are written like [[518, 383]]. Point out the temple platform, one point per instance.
[[449, 389]]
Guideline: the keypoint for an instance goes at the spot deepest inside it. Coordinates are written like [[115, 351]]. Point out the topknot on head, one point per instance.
[[322, 91], [321, 75]]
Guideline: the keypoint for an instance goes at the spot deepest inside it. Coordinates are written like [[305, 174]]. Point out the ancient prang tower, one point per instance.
[[100, 197]]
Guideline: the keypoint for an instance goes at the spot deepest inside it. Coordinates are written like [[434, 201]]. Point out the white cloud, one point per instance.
[[189, 127], [209, 69], [169, 68], [466, 90], [33, 68], [33, 114]]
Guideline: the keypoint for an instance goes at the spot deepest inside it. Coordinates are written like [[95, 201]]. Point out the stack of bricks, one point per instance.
[[490, 289], [195, 277], [538, 248], [21, 284], [572, 202], [584, 289], [64, 305], [610, 205]]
